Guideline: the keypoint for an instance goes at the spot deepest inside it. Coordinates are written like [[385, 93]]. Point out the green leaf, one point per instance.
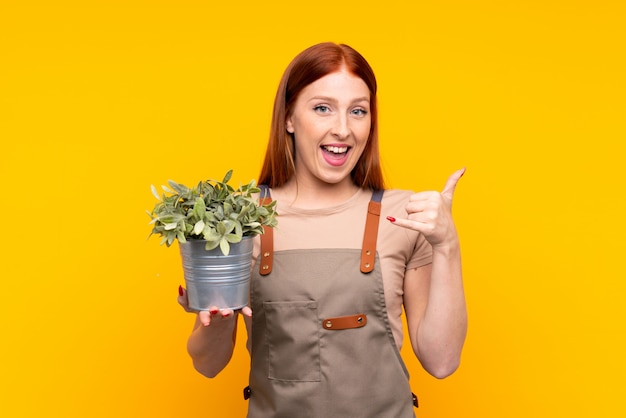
[[219, 213], [154, 192], [229, 225], [233, 238], [253, 231], [171, 226], [198, 227], [167, 219], [210, 234], [199, 208], [244, 210], [177, 187], [210, 217], [228, 209], [210, 245], [170, 237], [224, 246]]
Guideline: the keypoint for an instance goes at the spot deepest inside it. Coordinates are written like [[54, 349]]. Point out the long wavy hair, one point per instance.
[[310, 65]]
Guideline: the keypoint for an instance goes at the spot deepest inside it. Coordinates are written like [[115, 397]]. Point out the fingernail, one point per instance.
[[214, 311], [180, 290], [391, 219], [226, 315]]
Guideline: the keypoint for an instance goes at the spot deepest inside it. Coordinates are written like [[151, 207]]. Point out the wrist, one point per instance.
[[447, 248]]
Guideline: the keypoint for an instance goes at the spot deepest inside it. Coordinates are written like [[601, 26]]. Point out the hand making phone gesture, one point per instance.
[[431, 213]]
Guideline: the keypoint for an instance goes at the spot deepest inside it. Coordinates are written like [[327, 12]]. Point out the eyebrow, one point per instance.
[[330, 99]]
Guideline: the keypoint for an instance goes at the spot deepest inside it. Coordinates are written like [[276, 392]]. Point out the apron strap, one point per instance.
[[267, 238], [368, 249]]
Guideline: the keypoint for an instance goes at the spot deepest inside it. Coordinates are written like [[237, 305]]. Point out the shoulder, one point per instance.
[[401, 248], [396, 197], [394, 204]]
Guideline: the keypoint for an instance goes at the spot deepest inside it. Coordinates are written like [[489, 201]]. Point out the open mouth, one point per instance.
[[335, 150], [335, 155]]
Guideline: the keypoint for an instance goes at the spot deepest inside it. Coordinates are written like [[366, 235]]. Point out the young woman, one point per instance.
[[328, 286]]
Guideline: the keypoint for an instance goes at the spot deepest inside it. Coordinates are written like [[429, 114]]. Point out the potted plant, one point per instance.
[[214, 224]]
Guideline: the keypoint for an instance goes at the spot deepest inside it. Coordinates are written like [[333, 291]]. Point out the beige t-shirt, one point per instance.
[[342, 226]]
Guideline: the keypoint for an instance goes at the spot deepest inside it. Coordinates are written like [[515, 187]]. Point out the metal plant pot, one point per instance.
[[215, 279]]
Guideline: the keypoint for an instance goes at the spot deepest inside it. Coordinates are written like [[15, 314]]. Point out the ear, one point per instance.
[[289, 125]]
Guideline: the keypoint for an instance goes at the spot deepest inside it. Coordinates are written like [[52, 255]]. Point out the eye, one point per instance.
[[359, 112], [321, 109]]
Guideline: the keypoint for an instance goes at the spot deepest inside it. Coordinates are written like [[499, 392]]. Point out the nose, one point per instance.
[[340, 128]]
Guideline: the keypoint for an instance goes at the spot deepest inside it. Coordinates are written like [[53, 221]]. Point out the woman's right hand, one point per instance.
[[213, 314]]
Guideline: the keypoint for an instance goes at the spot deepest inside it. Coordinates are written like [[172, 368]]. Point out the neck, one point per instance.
[[317, 195]]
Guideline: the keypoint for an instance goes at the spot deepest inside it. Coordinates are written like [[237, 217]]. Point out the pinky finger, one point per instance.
[[182, 299], [406, 223]]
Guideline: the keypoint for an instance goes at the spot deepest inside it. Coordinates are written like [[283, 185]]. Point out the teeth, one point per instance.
[[336, 150]]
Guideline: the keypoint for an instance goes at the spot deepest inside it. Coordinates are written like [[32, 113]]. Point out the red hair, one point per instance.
[[310, 65]]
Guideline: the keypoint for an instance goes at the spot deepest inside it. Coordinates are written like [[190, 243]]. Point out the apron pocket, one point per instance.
[[292, 330]]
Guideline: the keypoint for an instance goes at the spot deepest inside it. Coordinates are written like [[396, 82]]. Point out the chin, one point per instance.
[[335, 178]]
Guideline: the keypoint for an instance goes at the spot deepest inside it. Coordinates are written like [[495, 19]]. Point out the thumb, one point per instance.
[[448, 189]]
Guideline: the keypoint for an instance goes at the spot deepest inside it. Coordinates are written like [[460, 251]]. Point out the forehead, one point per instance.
[[338, 84]]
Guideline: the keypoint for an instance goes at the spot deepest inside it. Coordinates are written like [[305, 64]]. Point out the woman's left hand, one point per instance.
[[431, 213]]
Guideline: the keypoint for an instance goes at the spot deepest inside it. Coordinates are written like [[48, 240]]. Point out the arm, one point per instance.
[[212, 340], [434, 302], [434, 298]]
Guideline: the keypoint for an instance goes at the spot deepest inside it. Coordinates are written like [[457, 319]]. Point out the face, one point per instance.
[[330, 122]]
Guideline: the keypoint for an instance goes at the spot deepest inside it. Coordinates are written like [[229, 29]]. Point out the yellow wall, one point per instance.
[[99, 99]]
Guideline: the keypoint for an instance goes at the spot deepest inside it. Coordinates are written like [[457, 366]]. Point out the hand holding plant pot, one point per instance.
[[213, 224]]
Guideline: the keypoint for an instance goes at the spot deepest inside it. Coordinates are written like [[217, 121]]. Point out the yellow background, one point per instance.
[[100, 99]]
